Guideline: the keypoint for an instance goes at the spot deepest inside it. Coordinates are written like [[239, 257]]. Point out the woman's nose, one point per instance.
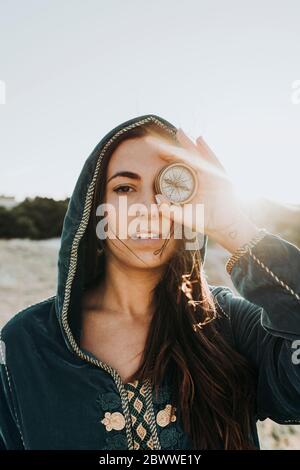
[[149, 205]]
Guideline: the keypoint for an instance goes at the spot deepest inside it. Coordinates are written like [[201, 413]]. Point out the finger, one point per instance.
[[184, 140], [208, 153], [199, 149], [172, 153], [180, 214], [168, 210]]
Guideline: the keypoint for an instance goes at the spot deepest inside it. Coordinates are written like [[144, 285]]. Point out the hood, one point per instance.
[[72, 249]]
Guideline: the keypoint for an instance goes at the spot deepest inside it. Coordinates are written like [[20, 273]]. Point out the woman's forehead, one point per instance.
[[135, 153]]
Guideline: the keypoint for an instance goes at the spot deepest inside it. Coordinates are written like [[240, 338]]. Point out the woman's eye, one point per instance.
[[122, 189]]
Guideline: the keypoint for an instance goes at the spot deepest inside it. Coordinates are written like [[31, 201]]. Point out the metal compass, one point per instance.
[[177, 182]]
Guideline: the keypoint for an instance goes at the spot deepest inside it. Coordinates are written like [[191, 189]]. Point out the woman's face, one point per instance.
[[130, 180]]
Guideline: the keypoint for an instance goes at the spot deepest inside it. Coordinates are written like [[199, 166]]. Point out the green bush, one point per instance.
[[36, 218]]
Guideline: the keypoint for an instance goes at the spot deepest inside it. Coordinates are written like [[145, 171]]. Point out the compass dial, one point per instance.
[[177, 182]]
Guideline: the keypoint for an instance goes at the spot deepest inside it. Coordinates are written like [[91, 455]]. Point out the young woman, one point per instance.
[[136, 350]]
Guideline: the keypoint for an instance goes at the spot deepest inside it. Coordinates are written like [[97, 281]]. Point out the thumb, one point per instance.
[[168, 209]]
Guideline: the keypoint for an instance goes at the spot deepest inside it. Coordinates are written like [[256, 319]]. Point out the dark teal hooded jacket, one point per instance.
[[54, 395]]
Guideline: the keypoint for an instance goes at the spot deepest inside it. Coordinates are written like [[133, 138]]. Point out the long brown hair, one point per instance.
[[213, 386]]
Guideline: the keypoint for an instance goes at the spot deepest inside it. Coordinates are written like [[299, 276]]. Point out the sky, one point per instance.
[[72, 70]]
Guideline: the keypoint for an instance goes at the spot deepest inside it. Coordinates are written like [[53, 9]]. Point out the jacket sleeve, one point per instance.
[[10, 435], [265, 323]]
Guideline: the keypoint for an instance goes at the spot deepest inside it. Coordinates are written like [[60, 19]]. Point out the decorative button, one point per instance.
[[164, 417], [113, 421]]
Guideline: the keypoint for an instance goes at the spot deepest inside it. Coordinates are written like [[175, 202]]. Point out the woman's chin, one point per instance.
[[146, 243], [150, 252]]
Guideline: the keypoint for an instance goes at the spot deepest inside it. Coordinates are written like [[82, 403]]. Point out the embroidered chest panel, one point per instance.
[[152, 421]]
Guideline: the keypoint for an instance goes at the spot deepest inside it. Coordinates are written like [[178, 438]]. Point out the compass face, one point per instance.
[[177, 182]]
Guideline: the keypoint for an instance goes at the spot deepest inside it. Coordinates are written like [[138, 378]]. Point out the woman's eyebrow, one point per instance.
[[126, 174]]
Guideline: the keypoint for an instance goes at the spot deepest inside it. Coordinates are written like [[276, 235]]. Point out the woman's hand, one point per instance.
[[224, 219]]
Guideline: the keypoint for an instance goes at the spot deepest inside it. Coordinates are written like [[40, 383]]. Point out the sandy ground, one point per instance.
[[28, 273]]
